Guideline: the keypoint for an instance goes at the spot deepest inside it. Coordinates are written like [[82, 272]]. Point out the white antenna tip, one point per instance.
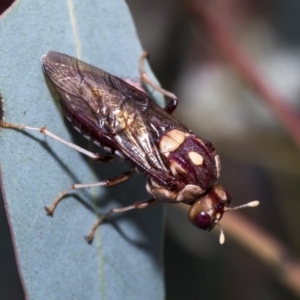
[[222, 235], [222, 238], [253, 203]]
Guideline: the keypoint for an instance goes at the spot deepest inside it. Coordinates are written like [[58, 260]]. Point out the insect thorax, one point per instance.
[[192, 162]]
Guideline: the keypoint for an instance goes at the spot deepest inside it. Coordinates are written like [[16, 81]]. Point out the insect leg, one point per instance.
[[45, 131], [137, 205], [171, 106], [108, 182]]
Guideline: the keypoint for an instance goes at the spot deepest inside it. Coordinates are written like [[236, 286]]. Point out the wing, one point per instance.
[[111, 111]]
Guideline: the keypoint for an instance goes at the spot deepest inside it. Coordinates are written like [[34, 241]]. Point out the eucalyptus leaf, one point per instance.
[[55, 262]]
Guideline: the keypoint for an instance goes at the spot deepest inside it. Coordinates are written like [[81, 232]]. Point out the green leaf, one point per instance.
[[55, 262]]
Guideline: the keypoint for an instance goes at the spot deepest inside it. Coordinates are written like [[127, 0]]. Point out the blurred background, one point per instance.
[[203, 52], [235, 67]]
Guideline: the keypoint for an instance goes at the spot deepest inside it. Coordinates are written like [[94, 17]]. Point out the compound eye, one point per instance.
[[202, 221]]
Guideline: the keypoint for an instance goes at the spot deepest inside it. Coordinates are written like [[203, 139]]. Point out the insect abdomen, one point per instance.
[[81, 125]]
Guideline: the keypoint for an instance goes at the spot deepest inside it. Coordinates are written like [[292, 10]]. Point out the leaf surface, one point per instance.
[[55, 262]]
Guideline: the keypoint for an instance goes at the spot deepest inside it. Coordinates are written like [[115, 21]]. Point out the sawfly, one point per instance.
[[179, 166]]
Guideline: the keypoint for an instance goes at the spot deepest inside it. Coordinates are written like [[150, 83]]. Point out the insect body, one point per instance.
[[125, 121]]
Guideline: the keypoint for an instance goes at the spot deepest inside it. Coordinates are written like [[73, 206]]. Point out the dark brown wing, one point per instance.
[[111, 110]]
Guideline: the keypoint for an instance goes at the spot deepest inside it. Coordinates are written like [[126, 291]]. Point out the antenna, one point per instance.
[[222, 235], [249, 204]]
